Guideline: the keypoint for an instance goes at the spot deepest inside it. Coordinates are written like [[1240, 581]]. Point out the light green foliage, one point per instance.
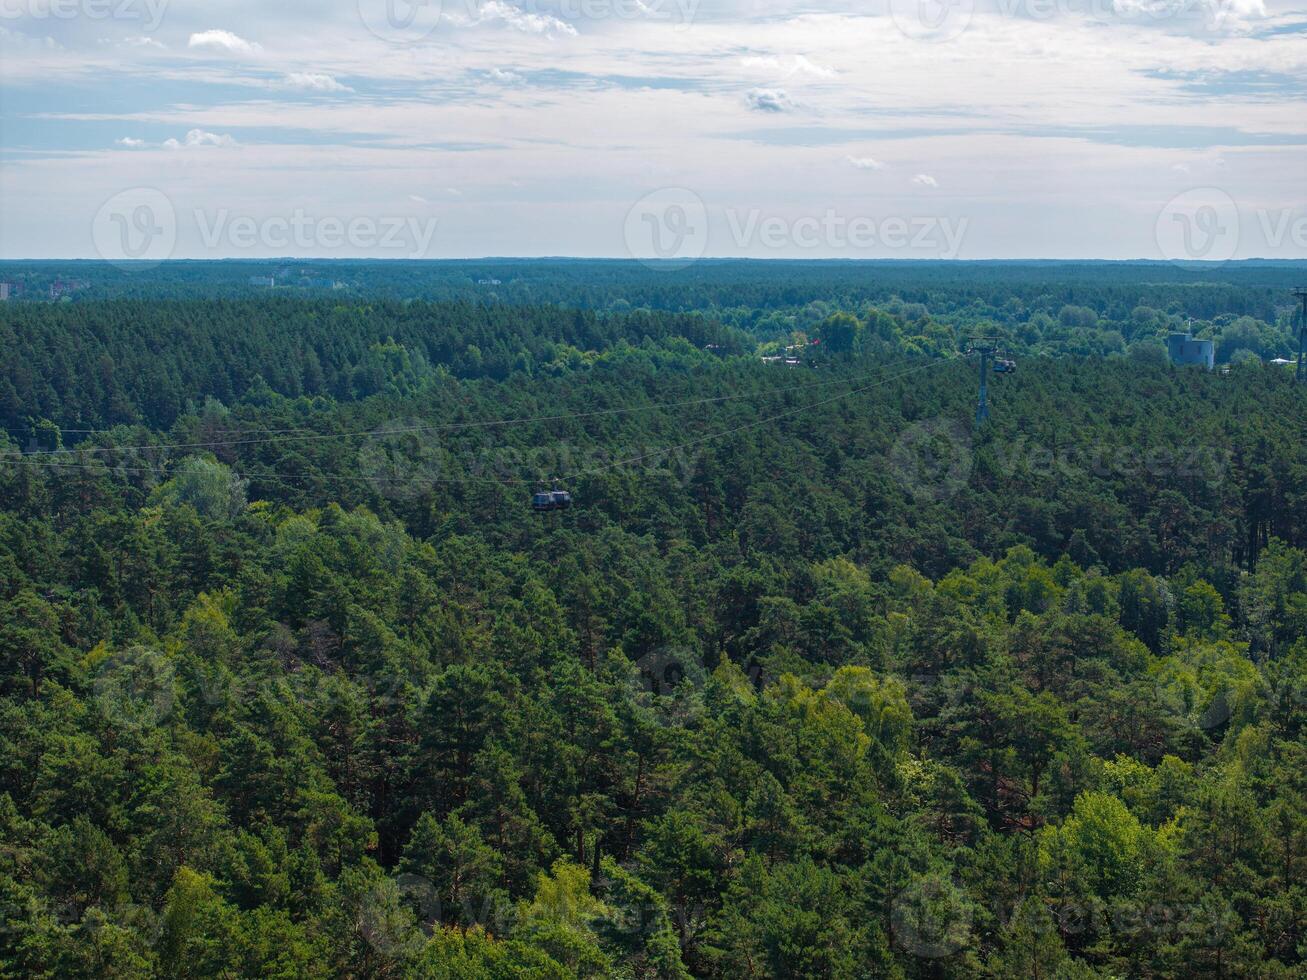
[[759, 707], [207, 485]]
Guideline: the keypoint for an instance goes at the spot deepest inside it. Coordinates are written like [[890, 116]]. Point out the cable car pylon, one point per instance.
[[1300, 372], [990, 355]]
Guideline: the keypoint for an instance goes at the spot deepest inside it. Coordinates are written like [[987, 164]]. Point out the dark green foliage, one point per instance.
[[287, 693]]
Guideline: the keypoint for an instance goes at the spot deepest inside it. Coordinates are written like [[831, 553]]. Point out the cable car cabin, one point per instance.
[[551, 500], [1003, 366]]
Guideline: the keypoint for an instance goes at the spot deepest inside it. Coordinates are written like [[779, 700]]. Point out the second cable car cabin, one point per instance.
[[547, 500], [1003, 365]]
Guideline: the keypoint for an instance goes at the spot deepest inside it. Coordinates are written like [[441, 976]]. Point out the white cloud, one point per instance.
[[1230, 15], [129, 142], [17, 40], [198, 137], [310, 81], [140, 41], [802, 66], [498, 11], [640, 103], [769, 100], [418, 199], [788, 67], [865, 163], [925, 180], [217, 40]]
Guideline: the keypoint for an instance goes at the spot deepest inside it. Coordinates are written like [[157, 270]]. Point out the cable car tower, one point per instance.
[[1300, 373], [990, 354]]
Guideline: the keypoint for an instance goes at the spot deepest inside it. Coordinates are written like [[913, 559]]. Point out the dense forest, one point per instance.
[[817, 678]]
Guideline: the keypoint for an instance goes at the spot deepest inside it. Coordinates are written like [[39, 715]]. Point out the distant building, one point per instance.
[[4, 292], [268, 281], [1184, 349], [65, 287]]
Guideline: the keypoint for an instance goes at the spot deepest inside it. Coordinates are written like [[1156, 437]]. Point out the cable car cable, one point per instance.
[[283, 435], [275, 476]]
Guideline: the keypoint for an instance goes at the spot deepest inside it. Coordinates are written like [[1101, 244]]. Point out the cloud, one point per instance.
[[492, 11], [865, 163], [787, 68], [1233, 15], [310, 81], [140, 41], [925, 180], [129, 142], [19, 40], [216, 40], [503, 75], [769, 100], [198, 137], [418, 199], [802, 66]]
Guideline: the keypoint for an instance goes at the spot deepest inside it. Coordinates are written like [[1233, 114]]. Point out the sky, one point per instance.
[[142, 130]]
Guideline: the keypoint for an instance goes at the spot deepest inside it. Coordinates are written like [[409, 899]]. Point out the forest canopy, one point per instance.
[[817, 677]]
